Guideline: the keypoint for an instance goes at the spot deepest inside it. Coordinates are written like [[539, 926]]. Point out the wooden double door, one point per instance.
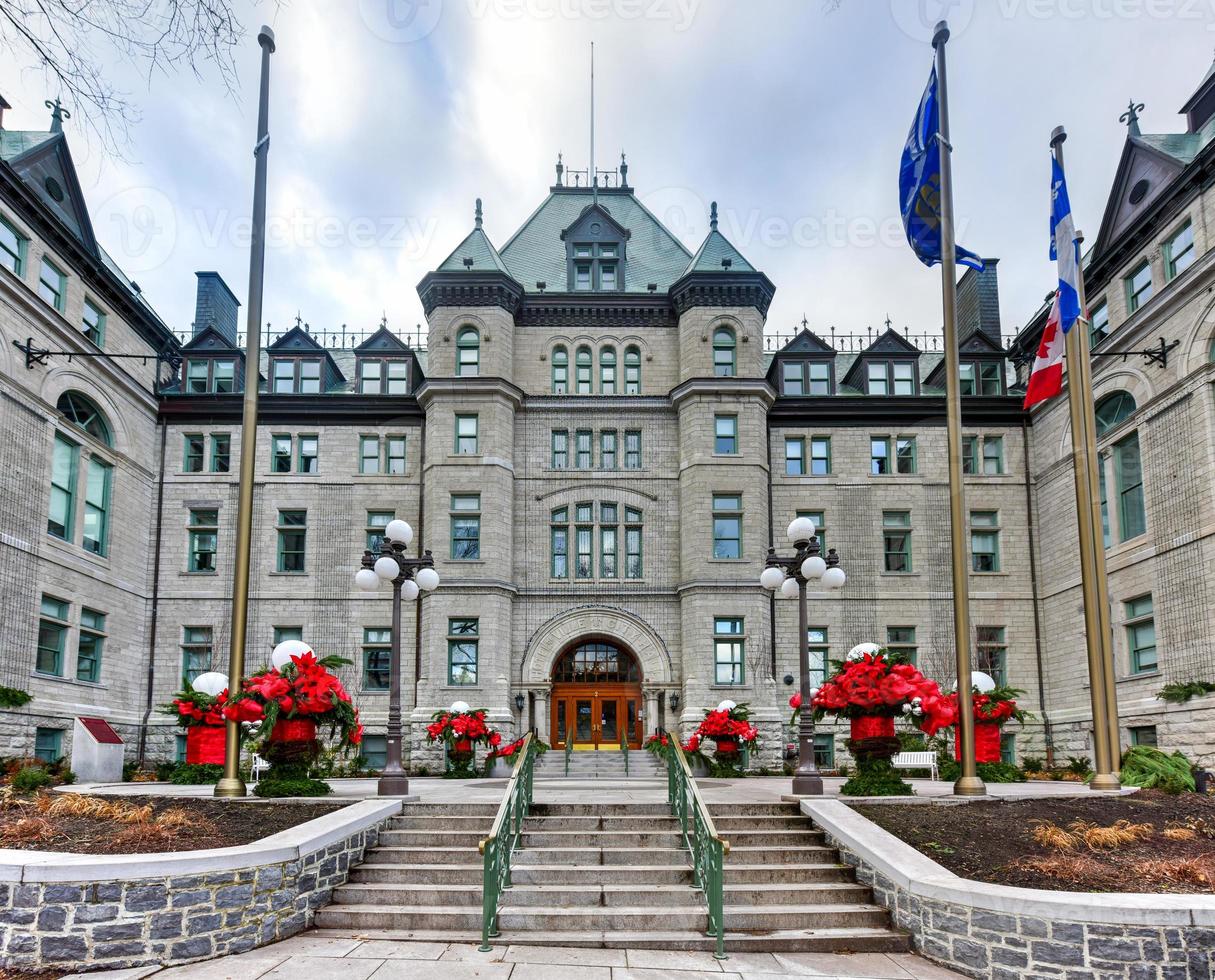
[[596, 716]]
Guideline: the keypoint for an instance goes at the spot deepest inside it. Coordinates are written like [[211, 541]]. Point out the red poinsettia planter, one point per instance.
[[727, 746], [872, 726], [205, 745], [987, 742], [293, 730], [461, 747]]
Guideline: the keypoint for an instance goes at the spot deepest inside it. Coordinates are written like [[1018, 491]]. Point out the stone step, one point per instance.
[[589, 825], [790, 822], [752, 918], [432, 838], [420, 855], [600, 838], [489, 810], [597, 895], [755, 810], [772, 838], [599, 856], [408, 821], [793, 892], [640, 876], [433, 895], [742, 874], [600, 810], [779, 855], [463, 875]]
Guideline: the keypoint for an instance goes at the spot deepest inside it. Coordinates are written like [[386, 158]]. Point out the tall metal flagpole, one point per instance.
[[969, 783], [231, 784], [1092, 548]]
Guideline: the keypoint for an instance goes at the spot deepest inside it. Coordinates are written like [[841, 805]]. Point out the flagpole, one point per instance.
[[969, 783], [1097, 627]]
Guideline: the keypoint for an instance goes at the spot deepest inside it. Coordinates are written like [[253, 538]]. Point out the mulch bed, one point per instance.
[[993, 841], [193, 824]]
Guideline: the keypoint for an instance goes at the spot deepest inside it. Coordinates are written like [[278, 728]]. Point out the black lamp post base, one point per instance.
[[807, 785], [393, 784]]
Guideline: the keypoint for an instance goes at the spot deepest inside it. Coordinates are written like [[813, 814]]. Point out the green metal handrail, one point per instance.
[[624, 747], [496, 849], [700, 837], [569, 750]]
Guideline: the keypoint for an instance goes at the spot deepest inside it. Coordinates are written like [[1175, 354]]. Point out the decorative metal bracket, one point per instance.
[[38, 356], [1151, 355]]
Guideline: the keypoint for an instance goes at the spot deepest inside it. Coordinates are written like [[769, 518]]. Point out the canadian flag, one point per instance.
[[1046, 377]]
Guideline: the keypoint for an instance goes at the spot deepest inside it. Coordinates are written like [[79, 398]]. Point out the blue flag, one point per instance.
[[920, 183], [1064, 248]]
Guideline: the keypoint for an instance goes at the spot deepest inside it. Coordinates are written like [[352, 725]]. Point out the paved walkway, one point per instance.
[[306, 957]]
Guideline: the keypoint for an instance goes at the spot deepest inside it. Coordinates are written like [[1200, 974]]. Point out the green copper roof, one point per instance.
[[715, 248], [1182, 147], [480, 249], [536, 252], [14, 142]]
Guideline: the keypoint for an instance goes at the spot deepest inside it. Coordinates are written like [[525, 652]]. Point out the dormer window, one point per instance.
[[890, 377], [383, 377], [296, 376], [805, 378], [596, 267], [980, 378], [210, 375]]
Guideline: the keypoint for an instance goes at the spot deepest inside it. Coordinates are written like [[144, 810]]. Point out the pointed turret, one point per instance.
[[716, 254]]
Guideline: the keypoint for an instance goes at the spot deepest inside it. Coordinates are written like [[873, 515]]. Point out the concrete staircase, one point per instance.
[[600, 765], [611, 875]]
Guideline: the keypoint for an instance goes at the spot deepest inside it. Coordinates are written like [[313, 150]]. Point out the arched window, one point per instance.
[[86, 416], [561, 371], [596, 662], [607, 371], [582, 369], [632, 371], [468, 352], [723, 353], [1112, 409]]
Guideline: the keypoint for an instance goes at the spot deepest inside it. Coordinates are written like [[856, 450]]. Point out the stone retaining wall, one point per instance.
[[94, 911], [998, 932]]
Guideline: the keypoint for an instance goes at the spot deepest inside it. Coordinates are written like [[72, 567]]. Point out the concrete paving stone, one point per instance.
[[298, 967], [867, 965], [752, 962], [631, 973], [558, 971], [313, 946], [245, 966], [471, 954], [438, 970], [565, 956], [135, 973], [389, 949], [923, 969], [673, 959]]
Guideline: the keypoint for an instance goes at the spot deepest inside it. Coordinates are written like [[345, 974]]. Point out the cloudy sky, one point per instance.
[[389, 117]]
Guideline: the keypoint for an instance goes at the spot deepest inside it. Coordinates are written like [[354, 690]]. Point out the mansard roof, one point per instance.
[[298, 341], [713, 251], [44, 162]]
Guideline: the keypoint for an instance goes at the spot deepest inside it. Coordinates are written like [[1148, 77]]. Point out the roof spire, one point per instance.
[[624, 171], [384, 321], [1131, 117], [888, 321], [713, 216], [58, 114], [560, 168], [805, 322], [478, 214], [298, 319]]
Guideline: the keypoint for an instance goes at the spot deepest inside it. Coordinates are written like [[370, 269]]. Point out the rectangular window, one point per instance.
[[466, 435], [223, 373], [12, 248], [462, 651], [607, 449], [879, 455], [284, 633], [93, 322], [820, 654], [561, 448], [1128, 474], [984, 541], [1008, 748], [820, 456], [901, 640], [377, 520], [198, 377], [632, 371], [1106, 540], [280, 454], [970, 455], [370, 377], [1138, 287], [374, 751], [725, 434], [905, 455], [310, 377], [632, 450], [377, 658], [820, 527], [1141, 635], [1099, 325], [632, 543], [398, 377], [607, 275], [465, 526], [991, 653], [292, 540], [993, 455], [48, 744], [896, 540], [195, 651], [820, 378], [52, 285], [967, 383], [607, 372], [1179, 252], [61, 518], [824, 752], [582, 449], [90, 646], [194, 455], [877, 380], [559, 539], [283, 377], [990, 380], [609, 536], [1143, 735], [179, 747], [793, 378], [221, 452], [795, 456], [97, 506], [582, 275], [904, 378], [394, 455], [584, 565], [52, 636], [728, 651], [727, 526], [203, 529], [309, 458], [369, 454]]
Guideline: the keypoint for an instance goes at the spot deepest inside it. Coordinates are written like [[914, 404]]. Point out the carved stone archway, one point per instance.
[[556, 635]]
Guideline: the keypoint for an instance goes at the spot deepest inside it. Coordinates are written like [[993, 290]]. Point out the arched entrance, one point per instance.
[[596, 697]]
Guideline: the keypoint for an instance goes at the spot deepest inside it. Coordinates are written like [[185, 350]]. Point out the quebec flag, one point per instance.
[[1064, 248], [920, 183]]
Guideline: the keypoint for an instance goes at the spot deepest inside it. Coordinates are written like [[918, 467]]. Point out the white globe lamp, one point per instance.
[[286, 650], [409, 590], [861, 649], [458, 707], [982, 682], [427, 579], [789, 588], [212, 683], [398, 531], [771, 578], [387, 568], [813, 568], [834, 578], [367, 580], [800, 529], [726, 706]]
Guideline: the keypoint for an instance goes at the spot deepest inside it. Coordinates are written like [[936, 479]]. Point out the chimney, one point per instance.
[[215, 306], [3, 105], [979, 302]]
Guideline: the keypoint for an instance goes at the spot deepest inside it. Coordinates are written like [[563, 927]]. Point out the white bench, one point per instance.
[[257, 765], [917, 760]]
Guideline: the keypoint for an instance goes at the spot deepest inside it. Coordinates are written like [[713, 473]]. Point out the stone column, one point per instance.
[[651, 711], [542, 715]]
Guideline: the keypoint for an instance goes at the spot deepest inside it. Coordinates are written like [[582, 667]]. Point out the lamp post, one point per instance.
[[409, 578], [791, 574]]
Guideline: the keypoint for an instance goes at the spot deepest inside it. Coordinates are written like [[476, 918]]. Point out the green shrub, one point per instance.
[[1181, 691], [12, 697], [30, 778], [1032, 763], [876, 777], [989, 772], [166, 769], [195, 774], [1150, 768], [1078, 765], [293, 786]]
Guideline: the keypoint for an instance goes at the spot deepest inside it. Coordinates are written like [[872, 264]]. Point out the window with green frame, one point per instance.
[[48, 744], [92, 322], [309, 454], [905, 457], [632, 449], [284, 633], [194, 452], [394, 455], [607, 449], [1179, 251], [984, 541], [561, 371], [52, 636], [632, 543], [607, 371], [1143, 735], [52, 284], [970, 455], [462, 644], [64, 459], [465, 526], [280, 454], [560, 443], [203, 534], [1113, 409], [896, 540], [369, 454], [820, 526], [179, 747], [1141, 635], [725, 435], [1128, 477], [377, 657], [724, 349], [901, 640], [292, 541], [584, 535], [466, 435], [90, 645], [559, 543], [1106, 539], [374, 751], [824, 751], [795, 456], [377, 520], [1138, 286], [12, 248], [468, 352], [1099, 323], [583, 450], [582, 370], [993, 455], [221, 452], [727, 526], [196, 651], [879, 455], [632, 371], [609, 539], [198, 375], [991, 653], [820, 456], [98, 476], [820, 653], [728, 646], [1008, 748]]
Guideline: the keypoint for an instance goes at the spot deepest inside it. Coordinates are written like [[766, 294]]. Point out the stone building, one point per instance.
[[598, 437]]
